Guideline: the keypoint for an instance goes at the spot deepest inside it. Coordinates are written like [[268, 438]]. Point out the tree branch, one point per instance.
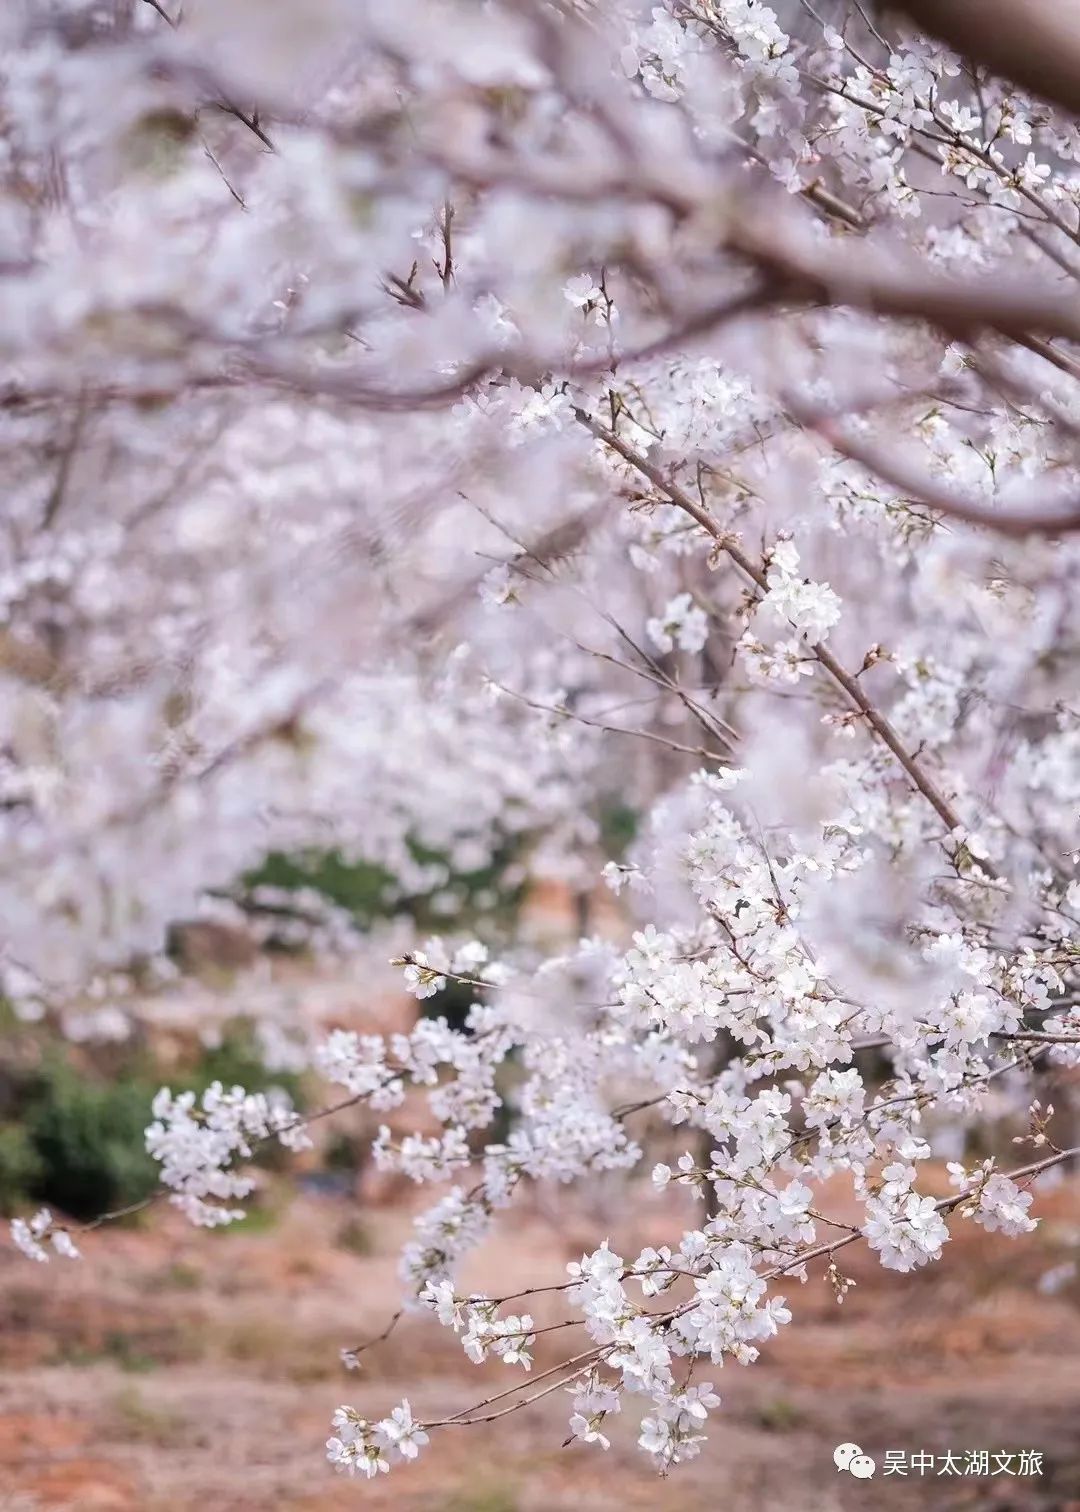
[[924, 490], [1036, 42], [876, 720]]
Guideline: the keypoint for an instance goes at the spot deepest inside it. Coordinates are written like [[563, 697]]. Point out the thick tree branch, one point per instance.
[[1034, 42], [922, 489]]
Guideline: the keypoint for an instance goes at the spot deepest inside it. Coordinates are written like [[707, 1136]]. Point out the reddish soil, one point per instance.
[[173, 1370]]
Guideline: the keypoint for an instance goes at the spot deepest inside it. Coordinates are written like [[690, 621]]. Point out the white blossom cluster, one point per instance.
[[199, 1142], [807, 608], [438, 434], [34, 1237], [362, 1448]]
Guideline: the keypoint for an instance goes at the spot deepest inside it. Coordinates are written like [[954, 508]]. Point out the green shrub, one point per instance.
[[235, 1062], [355, 1236], [369, 892], [344, 1153], [87, 1137], [361, 888], [21, 1167], [74, 1138]]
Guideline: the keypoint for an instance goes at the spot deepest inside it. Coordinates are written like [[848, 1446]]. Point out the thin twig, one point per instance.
[[876, 720]]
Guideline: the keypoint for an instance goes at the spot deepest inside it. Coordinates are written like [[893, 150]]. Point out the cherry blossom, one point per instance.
[[435, 435]]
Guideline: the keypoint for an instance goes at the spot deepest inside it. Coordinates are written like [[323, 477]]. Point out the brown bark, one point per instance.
[[1034, 42]]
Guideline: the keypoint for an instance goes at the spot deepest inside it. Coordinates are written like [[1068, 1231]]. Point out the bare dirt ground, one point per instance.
[[174, 1371]]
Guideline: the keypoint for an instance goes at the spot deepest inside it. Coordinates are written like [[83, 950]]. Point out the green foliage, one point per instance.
[[362, 888], [180, 1275], [452, 1003], [21, 1167], [779, 1415], [128, 1352], [355, 1236], [72, 1126], [492, 895], [235, 1062], [156, 144], [344, 1153], [143, 1421], [492, 1494], [369, 892], [262, 1213], [88, 1140], [72, 1136], [618, 828]]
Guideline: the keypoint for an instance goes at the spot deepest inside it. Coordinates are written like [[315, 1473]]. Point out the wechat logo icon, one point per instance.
[[850, 1457]]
